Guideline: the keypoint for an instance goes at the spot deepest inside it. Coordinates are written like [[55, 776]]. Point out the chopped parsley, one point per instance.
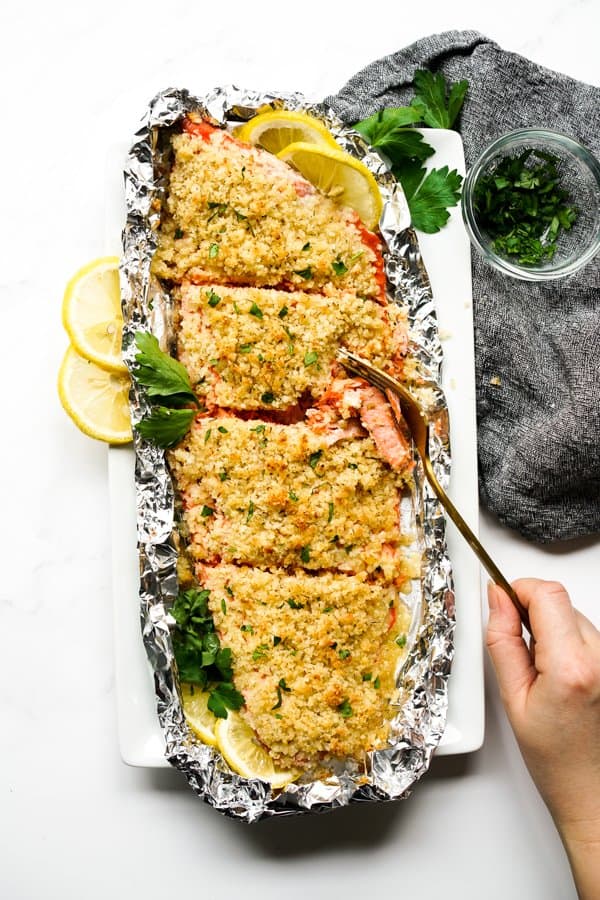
[[283, 312], [314, 458], [247, 628], [178, 234], [339, 267], [250, 511], [207, 434], [367, 676], [344, 709], [523, 208], [213, 298], [281, 687], [267, 397], [401, 640], [294, 605], [352, 466], [343, 654], [377, 683], [223, 606], [276, 640], [330, 513], [306, 247], [223, 476], [245, 348], [217, 209], [222, 429], [311, 358], [259, 429], [259, 652], [293, 496], [229, 591], [305, 273], [213, 251], [207, 511], [255, 310], [305, 553]]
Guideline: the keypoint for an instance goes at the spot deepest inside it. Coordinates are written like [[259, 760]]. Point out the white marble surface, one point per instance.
[[75, 823]]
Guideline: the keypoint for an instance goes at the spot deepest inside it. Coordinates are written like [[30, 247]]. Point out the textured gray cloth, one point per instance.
[[539, 427]]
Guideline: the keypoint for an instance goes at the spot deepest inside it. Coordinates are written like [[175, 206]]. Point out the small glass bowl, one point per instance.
[[579, 174]]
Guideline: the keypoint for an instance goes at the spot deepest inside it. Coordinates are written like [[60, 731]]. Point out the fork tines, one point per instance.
[[370, 373]]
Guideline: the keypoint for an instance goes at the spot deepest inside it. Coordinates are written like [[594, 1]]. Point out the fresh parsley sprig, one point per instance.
[[439, 106], [169, 390], [162, 375], [391, 131], [200, 658]]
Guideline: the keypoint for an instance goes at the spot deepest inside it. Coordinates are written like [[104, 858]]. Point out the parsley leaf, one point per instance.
[[311, 358], [387, 132], [162, 375], [436, 107], [429, 204], [165, 427], [255, 310], [344, 709], [223, 697]]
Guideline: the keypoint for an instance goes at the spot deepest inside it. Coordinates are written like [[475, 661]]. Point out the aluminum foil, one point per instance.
[[423, 679]]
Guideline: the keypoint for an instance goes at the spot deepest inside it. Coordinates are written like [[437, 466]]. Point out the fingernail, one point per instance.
[[492, 595]]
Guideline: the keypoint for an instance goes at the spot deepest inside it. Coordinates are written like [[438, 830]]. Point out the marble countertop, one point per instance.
[[75, 823]]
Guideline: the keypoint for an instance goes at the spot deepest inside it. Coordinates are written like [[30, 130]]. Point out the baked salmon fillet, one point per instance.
[[235, 214], [269, 495], [251, 348], [315, 658], [291, 478]]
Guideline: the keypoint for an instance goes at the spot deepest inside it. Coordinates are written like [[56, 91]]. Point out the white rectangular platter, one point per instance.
[[448, 261]]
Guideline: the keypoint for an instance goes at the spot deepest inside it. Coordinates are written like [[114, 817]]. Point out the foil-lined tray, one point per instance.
[[423, 678]]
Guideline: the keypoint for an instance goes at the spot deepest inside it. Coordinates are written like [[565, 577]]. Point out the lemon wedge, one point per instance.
[[240, 748], [338, 175], [96, 399], [198, 715], [92, 313], [278, 128]]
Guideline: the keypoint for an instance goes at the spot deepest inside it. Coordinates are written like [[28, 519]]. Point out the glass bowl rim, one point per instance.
[[513, 139]]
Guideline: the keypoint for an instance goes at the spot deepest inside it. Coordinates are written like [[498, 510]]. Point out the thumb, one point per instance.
[[509, 653]]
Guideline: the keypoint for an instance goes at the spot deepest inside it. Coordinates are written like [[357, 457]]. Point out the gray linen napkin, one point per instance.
[[537, 346]]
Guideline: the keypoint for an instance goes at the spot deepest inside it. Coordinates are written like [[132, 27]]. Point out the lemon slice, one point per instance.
[[92, 313], [197, 714], [239, 746], [338, 175], [96, 399], [278, 128]]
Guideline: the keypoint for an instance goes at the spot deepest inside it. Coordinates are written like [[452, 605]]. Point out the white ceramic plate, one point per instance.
[[448, 261]]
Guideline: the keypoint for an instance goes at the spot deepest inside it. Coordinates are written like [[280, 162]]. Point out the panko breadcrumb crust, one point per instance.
[[290, 518]]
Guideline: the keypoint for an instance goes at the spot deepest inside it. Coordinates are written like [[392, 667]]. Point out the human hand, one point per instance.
[[551, 692]]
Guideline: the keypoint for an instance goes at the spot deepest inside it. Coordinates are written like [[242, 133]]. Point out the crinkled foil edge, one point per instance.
[[420, 721]]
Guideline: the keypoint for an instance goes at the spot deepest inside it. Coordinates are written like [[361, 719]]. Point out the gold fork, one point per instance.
[[417, 423]]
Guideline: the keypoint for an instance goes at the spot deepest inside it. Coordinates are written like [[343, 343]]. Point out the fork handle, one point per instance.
[[480, 551]]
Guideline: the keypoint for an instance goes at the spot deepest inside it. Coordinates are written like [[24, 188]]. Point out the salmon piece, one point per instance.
[[235, 214], [376, 416], [354, 397]]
